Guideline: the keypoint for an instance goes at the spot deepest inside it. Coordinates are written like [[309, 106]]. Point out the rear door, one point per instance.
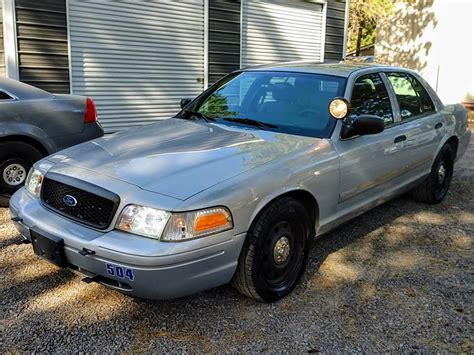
[[421, 128]]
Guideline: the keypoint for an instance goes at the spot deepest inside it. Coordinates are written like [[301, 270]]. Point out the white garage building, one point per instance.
[[137, 59]]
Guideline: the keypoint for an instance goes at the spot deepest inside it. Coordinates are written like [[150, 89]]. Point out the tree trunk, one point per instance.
[[359, 39]]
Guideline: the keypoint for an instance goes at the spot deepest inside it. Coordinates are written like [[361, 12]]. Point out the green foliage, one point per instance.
[[216, 106], [363, 18]]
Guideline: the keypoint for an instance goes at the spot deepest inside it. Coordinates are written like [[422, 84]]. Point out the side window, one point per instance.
[[370, 96], [5, 96], [412, 97]]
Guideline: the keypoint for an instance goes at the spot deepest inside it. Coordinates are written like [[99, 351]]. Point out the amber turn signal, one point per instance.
[[210, 221], [196, 224]]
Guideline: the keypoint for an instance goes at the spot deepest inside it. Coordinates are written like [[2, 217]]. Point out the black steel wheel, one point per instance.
[[436, 186], [275, 252]]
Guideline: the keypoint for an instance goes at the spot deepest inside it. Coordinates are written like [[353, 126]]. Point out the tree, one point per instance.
[[363, 18]]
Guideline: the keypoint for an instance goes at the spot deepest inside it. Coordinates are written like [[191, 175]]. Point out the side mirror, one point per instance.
[[185, 102], [362, 125]]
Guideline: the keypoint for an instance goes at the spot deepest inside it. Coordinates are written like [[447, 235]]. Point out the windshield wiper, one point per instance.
[[250, 122], [200, 115]]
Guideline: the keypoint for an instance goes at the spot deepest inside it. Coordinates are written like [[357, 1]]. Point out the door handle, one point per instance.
[[438, 125], [400, 139]]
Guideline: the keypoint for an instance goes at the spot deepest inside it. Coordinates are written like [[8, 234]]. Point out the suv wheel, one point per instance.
[[274, 255], [16, 159]]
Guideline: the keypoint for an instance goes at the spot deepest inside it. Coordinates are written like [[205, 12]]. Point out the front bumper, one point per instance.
[[161, 270]]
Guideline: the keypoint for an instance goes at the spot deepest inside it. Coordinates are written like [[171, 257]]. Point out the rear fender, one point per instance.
[[455, 126], [16, 130]]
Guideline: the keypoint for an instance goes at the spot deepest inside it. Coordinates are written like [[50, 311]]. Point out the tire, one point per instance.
[[275, 252], [16, 159], [435, 187]]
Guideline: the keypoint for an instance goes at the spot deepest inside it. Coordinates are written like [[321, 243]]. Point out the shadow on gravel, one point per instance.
[[4, 200], [30, 288], [11, 241], [355, 229]]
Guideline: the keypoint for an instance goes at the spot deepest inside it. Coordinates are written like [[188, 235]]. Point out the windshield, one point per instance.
[[295, 103]]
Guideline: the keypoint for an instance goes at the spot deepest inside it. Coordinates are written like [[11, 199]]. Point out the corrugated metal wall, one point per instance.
[[224, 38], [336, 10], [2, 48], [275, 31], [136, 59], [41, 28]]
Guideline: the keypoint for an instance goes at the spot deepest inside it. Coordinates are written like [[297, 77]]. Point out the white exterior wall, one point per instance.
[[435, 38]]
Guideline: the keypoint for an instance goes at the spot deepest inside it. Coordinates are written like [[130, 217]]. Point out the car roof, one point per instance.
[[343, 69], [21, 90]]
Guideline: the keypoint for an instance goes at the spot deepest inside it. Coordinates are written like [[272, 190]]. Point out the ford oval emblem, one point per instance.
[[70, 200]]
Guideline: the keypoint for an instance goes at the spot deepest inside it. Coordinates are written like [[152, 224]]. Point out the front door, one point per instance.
[[370, 164]]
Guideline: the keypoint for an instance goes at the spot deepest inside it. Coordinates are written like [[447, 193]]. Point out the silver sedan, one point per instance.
[[236, 186], [35, 123]]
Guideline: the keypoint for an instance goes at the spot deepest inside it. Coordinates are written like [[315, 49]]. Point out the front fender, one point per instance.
[[312, 171], [273, 196]]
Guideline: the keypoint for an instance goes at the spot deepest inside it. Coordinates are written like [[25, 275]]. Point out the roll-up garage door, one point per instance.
[[274, 31], [136, 59]]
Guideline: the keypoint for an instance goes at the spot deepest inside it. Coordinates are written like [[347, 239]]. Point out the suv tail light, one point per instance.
[[90, 116]]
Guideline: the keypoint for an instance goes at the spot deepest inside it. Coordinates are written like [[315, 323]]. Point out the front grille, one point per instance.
[[94, 206]]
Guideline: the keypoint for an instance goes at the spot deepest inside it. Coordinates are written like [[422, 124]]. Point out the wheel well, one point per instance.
[[28, 140], [453, 142], [307, 199]]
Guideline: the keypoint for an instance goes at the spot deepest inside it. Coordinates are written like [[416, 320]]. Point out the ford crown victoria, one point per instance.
[[236, 186]]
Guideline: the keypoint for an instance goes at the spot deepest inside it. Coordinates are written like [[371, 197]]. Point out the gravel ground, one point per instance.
[[398, 278]]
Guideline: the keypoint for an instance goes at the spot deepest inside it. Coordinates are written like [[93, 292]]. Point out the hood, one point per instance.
[[180, 158]]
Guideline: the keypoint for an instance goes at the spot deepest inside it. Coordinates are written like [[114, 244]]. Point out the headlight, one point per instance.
[[157, 224], [145, 221], [35, 177], [196, 224], [33, 183]]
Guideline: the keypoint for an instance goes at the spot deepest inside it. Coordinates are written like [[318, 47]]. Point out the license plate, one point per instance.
[[49, 248], [120, 271]]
